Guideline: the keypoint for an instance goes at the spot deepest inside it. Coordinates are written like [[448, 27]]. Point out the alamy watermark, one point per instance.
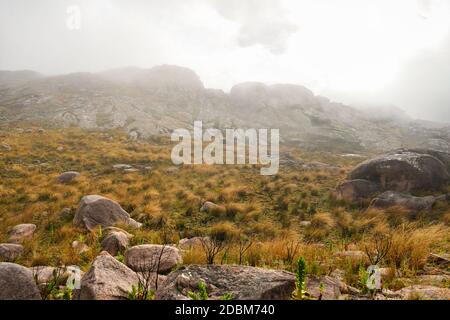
[[230, 148], [73, 21]]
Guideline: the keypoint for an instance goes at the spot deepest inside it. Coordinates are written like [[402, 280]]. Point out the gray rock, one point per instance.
[[67, 177], [242, 282], [351, 254], [95, 210], [420, 292], [17, 283], [107, 279], [10, 252], [149, 256], [355, 190], [186, 244], [208, 206], [79, 247], [405, 170], [392, 199], [21, 232], [115, 242]]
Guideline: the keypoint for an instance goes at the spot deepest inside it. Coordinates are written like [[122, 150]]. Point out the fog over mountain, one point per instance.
[[383, 53]]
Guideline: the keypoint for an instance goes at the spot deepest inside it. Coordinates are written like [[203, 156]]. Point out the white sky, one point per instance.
[[355, 51]]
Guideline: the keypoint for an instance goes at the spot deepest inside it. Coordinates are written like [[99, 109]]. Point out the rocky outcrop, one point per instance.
[[115, 242], [107, 279], [67, 177], [243, 283], [152, 257], [95, 210], [405, 170], [21, 232], [17, 283], [355, 190], [9, 252], [396, 199]]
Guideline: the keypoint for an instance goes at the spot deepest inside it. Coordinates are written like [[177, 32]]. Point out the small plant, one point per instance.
[[140, 293], [300, 280], [227, 296], [202, 293]]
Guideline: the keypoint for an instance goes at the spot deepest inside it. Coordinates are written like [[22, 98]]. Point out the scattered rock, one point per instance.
[[405, 170], [186, 244], [66, 213], [332, 288], [440, 259], [420, 292], [208, 206], [315, 165], [21, 232], [45, 274], [147, 257], [115, 242], [6, 147], [242, 282], [79, 247], [17, 283], [122, 166], [305, 224], [391, 199], [351, 254], [355, 190], [171, 170], [67, 177], [95, 210], [9, 252], [107, 279], [60, 148]]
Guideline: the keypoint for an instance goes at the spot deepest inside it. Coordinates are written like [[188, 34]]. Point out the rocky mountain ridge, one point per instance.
[[155, 101]]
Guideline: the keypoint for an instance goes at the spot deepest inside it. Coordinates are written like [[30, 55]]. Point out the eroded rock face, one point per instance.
[[10, 252], [95, 210], [21, 232], [17, 283], [405, 170], [243, 283], [355, 190], [393, 199], [115, 242], [152, 257], [67, 177], [107, 279]]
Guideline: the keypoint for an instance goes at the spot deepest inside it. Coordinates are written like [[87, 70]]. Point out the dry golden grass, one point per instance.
[[265, 209]]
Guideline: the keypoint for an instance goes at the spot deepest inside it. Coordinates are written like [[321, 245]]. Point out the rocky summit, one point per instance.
[[155, 101]]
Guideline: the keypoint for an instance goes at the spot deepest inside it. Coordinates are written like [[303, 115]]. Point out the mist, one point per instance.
[[387, 53]]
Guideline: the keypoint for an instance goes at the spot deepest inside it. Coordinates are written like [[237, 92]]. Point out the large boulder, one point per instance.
[[107, 279], [405, 170], [242, 282], [67, 177], [10, 251], [396, 199], [17, 283], [355, 190], [152, 257], [21, 232], [95, 210], [115, 242]]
